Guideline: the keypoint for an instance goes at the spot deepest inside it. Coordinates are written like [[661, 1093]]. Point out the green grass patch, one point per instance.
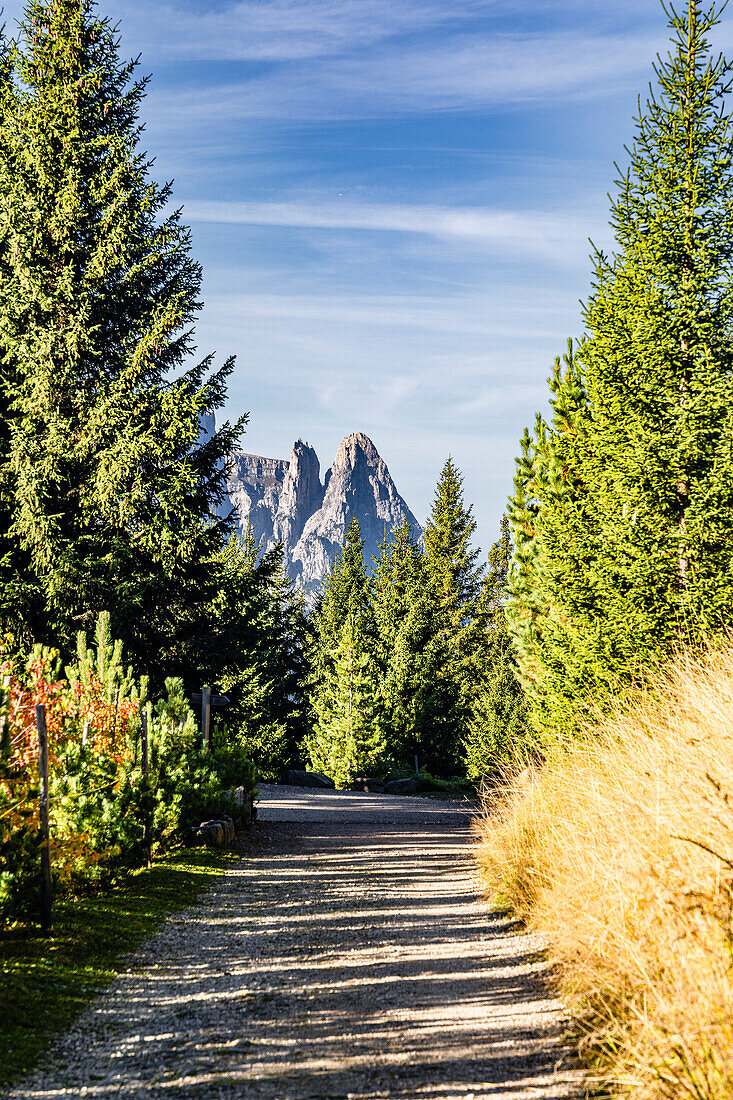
[[45, 981]]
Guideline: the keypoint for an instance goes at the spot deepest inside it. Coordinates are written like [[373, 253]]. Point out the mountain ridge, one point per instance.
[[286, 501]]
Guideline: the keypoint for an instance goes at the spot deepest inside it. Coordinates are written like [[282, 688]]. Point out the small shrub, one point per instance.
[[106, 816]]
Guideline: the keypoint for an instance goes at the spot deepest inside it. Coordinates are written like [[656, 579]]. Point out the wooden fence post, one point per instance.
[[145, 768], [4, 716], [43, 807], [206, 717], [144, 742], [114, 724]]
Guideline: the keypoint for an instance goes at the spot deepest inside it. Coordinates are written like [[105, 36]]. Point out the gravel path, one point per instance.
[[346, 958]]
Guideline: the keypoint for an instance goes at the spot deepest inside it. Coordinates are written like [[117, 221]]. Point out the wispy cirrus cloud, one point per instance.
[[320, 59], [479, 317], [458, 73], [291, 30], [407, 369], [555, 236], [472, 141]]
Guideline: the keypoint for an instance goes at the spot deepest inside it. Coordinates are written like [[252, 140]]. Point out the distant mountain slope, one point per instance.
[[286, 502]]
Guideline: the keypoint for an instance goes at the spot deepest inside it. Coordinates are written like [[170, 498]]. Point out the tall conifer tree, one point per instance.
[[496, 733], [252, 649], [455, 578], [348, 737], [450, 557], [623, 505], [110, 496], [345, 595], [408, 647]]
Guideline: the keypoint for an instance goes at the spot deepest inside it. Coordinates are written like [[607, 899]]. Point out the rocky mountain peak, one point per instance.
[[301, 496], [286, 502], [355, 447], [304, 463]]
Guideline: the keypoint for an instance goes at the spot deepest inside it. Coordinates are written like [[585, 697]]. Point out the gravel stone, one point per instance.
[[348, 956]]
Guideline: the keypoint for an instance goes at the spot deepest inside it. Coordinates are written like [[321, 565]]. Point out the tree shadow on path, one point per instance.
[[340, 959]]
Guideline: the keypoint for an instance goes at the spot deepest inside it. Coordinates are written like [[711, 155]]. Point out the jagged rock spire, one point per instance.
[[286, 502]]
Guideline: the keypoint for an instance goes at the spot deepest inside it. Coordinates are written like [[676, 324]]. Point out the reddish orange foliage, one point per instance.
[[68, 709]]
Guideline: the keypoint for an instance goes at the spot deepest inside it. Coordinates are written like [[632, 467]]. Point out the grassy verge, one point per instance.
[[621, 852], [45, 981]]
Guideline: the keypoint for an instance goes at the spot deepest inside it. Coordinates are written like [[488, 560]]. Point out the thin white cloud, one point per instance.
[[430, 373], [324, 59], [326, 324], [292, 30], [497, 68], [465, 72], [287, 30], [555, 236], [405, 369]]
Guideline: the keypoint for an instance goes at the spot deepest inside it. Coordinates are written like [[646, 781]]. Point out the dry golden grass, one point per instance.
[[621, 851]]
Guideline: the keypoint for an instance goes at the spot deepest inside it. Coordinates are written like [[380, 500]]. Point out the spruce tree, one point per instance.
[[567, 657], [344, 596], [405, 628], [346, 589], [348, 738], [497, 729], [455, 581], [250, 645], [623, 504], [497, 574], [109, 497], [270, 675], [451, 560]]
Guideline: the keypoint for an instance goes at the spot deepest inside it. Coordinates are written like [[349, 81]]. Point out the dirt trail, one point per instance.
[[348, 957]]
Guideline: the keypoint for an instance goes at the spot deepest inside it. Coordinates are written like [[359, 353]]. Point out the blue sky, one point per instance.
[[392, 200]]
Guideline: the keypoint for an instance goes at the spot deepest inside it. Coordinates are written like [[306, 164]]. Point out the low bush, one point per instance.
[[621, 851], [106, 815], [454, 784]]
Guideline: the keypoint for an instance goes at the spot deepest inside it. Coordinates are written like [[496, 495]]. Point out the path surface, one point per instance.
[[347, 957]]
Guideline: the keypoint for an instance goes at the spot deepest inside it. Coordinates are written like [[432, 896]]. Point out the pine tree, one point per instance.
[[405, 629], [348, 738], [455, 581], [622, 512], [346, 590], [451, 560], [109, 497], [556, 597], [344, 596], [497, 729], [275, 667], [104, 664], [251, 646], [497, 574]]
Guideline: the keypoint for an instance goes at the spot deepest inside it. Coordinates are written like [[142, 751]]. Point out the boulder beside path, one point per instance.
[[296, 778]]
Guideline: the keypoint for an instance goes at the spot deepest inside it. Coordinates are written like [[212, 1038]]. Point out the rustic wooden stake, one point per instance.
[[206, 717], [144, 742], [5, 716], [45, 829], [144, 765], [117, 704]]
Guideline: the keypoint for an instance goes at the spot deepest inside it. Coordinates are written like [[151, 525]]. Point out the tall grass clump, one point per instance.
[[621, 851]]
